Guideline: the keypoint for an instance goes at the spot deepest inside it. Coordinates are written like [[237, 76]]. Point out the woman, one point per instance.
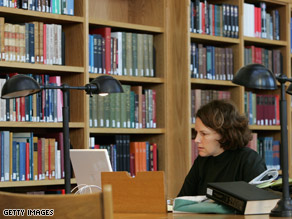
[[222, 135]]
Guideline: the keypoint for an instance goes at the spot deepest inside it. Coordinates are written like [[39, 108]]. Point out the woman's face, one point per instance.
[[207, 140]]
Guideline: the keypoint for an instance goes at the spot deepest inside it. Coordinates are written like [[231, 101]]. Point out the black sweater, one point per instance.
[[239, 165]]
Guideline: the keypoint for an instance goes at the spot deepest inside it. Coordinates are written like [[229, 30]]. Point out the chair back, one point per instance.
[[95, 205]]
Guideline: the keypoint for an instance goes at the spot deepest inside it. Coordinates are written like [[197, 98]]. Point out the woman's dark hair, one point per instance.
[[223, 117]]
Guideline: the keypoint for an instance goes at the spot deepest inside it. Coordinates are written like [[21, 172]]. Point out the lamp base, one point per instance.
[[282, 209]]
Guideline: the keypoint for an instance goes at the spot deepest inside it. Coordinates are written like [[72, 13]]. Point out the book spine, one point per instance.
[[226, 199]]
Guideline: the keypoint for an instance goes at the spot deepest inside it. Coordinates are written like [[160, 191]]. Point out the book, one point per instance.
[[243, 197], [106, 34]]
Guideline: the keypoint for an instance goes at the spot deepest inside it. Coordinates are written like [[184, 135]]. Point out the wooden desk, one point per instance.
[[189, 216]]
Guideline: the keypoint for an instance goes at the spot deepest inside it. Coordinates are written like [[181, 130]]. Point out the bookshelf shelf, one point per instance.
[[134, 79], [265, 42], [34, 183], [43, 125], [265, 127], [35, 15], [126, 131], [25, 67], [128, 26], [207, 38], [213, 82]]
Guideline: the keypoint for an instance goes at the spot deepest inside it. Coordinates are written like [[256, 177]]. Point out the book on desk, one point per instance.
[[243, 197]]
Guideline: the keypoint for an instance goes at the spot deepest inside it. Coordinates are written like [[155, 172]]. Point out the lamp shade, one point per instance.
[[255, 76], [19, 86], [106, 84]]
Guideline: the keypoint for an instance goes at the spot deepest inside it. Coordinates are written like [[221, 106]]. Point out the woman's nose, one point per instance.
[[198, 138]]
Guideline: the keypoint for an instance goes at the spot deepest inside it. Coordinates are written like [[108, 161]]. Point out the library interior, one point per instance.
[[118, 83]]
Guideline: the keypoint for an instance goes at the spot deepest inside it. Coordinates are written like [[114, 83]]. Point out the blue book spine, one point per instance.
[[114, 157], [31, 43], [95, 61], [213, 63], [2, 157], [46, 82], [70, 6], [90, 52], [6, 152], [22, 156], [27, 42], [14, 159], [147, 156], [291, 36], [31, 161]]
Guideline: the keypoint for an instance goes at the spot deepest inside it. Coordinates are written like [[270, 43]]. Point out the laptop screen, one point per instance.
[[88, 165]]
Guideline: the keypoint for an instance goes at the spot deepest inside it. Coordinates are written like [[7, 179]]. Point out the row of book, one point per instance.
[[214, 19], [271, 58], [257, 22], [135, 108], [25, 156], [210, 62], [268, 148], [51, 6], [201, 97], [131, 156], [45, 106], [262, 109], [33, 42], [121, 53]]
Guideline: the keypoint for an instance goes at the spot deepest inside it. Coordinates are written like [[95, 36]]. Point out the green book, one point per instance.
[[124, 69], [146, 56], [134, 54], [125, 107], [112, 110], [127, 90], [118, 110], [132, 109], [140, 49], [129, 54], [94, 110], [100, 111], [150, 53], [106, 113]]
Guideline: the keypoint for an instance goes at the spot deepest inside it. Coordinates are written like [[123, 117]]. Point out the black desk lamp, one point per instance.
[[257, 76], [23, 85]]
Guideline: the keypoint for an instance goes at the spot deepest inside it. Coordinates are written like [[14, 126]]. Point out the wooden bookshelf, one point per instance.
[[285, 11], [169, 22]]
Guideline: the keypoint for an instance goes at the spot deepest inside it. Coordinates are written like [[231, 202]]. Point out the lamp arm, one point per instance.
[[63, 87], [283, 78]]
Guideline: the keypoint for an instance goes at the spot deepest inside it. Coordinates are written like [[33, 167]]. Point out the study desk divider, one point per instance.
[[144, 193]]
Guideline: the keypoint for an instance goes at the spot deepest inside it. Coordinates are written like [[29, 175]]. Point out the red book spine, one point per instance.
[[255, 22], [259, 22], [39, 159], [277, 108], [22, 108], [203, 18], [132, 164]]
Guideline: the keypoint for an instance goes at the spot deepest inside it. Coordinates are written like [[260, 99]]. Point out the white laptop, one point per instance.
[[88, 165]]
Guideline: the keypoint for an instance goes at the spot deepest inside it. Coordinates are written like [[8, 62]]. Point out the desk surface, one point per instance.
[[189, 216]]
